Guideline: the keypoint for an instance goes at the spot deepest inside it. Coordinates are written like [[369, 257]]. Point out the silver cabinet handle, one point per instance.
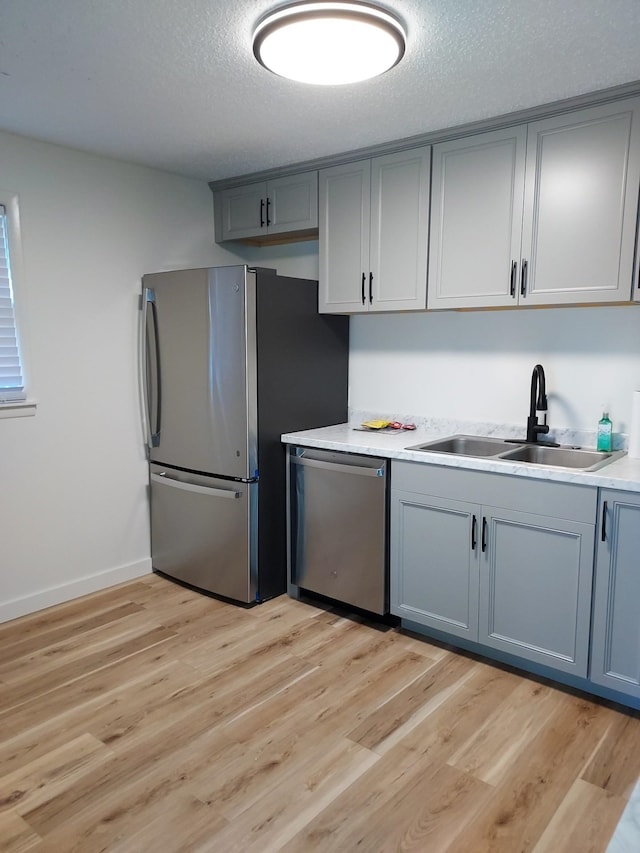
[[336, 466], [191, 487]]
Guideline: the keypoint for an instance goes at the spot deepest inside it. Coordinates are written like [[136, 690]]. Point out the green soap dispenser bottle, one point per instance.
[[605, 433]]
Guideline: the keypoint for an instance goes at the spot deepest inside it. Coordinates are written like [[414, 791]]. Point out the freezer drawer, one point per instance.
[[203, 531], [339, 527]]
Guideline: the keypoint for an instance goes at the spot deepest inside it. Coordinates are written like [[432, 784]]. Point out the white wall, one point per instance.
[[477, 365], [73, 508]]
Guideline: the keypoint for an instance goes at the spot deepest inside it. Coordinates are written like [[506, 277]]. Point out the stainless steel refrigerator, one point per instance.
[[232, 358]]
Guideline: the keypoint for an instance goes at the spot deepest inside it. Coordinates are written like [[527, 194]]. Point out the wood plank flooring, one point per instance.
[[152, 718]]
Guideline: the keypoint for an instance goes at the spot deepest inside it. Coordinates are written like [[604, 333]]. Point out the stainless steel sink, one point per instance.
[[465, 445], [561, 457], [528, 454]]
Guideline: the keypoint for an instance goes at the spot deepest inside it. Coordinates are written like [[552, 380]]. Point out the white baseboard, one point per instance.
[[74, 589]]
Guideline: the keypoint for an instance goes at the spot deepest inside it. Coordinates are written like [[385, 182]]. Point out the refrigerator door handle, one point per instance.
[[336, 466], [191, 487], [151, 365]]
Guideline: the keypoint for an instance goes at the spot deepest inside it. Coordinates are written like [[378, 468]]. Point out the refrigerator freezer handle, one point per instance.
[[192, 487], [150, 355]]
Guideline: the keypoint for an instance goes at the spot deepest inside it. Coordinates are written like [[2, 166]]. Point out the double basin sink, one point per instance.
[[530, 454]]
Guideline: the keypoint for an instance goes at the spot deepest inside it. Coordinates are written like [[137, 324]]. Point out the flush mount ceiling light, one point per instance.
[[329, 43]]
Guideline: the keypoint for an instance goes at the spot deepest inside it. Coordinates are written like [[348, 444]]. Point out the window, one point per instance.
[[12, 387]]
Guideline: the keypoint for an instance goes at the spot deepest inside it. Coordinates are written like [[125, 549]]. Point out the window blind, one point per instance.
[[11, 380]]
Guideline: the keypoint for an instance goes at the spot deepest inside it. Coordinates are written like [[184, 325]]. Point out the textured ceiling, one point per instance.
[[173, 83]]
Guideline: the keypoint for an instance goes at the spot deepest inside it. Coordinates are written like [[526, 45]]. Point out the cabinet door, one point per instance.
[[434, 565], [581, 201], [615, 651], [343, 226], [535, 588], [293, 203], [243, 211], [399, 230], [476, 220]]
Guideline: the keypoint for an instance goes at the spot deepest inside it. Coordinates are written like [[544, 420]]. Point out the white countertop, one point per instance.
[[623, 473]]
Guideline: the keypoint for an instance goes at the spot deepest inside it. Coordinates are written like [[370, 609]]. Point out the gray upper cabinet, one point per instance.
[[343, 235], [476, 219], [373, 233], [615, 651], [574, 202], [581, 203], [510, 566], [282, 206]]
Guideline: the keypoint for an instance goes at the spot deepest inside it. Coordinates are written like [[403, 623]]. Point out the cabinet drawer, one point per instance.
[[542, 497]]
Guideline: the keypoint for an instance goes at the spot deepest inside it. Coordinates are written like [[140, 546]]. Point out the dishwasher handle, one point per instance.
[[336, 466]]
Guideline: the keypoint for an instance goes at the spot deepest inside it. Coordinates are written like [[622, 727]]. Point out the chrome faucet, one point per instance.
[[538, 403]]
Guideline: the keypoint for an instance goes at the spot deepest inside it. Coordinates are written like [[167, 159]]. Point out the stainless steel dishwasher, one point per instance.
[[338, 521]]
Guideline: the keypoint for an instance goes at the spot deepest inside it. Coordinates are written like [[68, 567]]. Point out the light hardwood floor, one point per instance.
[[151, 718]]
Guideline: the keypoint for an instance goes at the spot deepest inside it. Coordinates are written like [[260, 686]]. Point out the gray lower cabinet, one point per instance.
[[535, 587], [615, 650], [499, 560], [434, 564]]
